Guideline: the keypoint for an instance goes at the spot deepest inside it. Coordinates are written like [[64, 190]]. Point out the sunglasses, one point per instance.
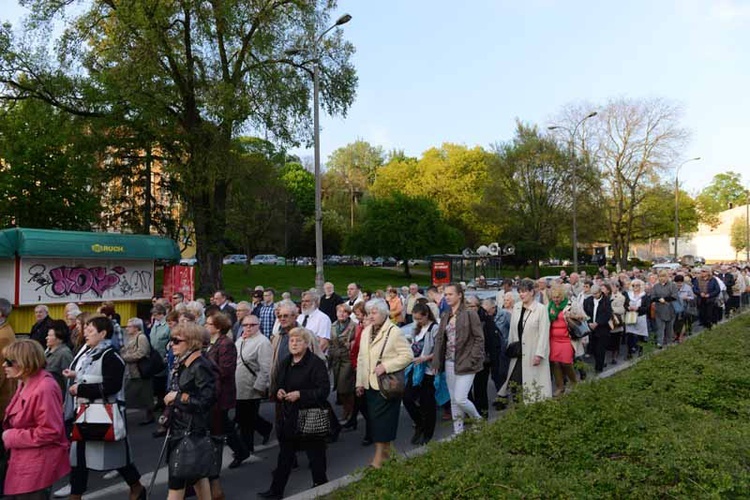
[[9, 362], [175, 340]]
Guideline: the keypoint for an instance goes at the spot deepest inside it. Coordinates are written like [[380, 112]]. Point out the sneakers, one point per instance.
[[63, 492]]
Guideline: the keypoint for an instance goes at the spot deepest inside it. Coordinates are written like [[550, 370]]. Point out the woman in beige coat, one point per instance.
[[529, 325], [382, 349]]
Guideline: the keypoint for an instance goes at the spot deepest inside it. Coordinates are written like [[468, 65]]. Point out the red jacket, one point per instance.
[[224, 355], [354, 351], [34, 434]]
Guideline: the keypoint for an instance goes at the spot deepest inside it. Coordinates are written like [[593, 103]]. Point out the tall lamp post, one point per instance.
[[574, 180], [319, 278], [677, 203]]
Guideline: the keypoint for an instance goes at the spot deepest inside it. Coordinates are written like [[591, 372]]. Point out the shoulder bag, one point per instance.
[[195, 455], [150, 365], [391, 384], [98, 421], [577, 329]]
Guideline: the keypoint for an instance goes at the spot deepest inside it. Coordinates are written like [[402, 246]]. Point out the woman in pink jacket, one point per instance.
[[33, 429]]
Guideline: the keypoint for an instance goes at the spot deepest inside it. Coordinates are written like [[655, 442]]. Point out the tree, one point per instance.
[[738, 234], [528, 188], [724, 191], [452, 175], [655, 215], [631, 142], [49, 176], [193, 74], [404, 227], [350, 173]]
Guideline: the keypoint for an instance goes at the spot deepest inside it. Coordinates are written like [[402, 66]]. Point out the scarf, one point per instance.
[[554, 311], [88, 358]]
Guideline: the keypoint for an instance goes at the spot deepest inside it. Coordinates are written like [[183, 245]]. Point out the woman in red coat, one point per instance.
[[33, 429]]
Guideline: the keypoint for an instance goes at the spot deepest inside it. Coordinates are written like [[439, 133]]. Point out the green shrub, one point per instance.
[[676, 425]]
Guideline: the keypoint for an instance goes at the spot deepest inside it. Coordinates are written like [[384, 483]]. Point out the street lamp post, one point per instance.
[[677, 203], [319, 277], [574, 181]]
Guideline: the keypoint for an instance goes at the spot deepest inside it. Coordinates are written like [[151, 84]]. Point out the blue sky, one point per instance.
[[434, 71]]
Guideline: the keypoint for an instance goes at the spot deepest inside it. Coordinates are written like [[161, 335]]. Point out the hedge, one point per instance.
[[675, 425]]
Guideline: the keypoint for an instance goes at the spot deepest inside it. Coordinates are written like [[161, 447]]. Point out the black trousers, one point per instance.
[[316, 454], [249, 421], [79, 475], [230, 432], [160, 390], [598, 346], [420, 404], [478, 394]]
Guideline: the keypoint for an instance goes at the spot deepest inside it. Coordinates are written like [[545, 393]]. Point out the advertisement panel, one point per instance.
[[179, 279], [49, 281], [441, 272]]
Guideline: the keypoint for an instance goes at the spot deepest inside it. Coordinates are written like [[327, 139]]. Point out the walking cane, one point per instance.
[[158, 464]]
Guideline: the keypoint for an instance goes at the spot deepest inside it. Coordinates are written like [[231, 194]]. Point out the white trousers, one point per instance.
[[459, 387]]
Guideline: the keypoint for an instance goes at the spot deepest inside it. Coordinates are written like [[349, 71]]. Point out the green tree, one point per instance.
[[404, 227], [655, 215], [739, 234], [452, 175], [48, 169], [528, 188], [724, 191], [193, 73]]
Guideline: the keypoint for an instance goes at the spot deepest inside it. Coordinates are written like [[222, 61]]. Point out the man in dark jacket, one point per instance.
[[329, 301], [706, 290], [42, 325], [599, 311]]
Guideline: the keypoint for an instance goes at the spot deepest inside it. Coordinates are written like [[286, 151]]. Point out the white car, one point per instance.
[[264, 259], [235, 259], [671, 266]]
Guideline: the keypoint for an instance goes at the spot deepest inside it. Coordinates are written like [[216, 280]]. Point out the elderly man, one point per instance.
[[177, 298], [7, 337], [42, 325], [244, 308], [411, 299], [576, 285], [329, 301], [541, 295], [314, 319], [221, 301]]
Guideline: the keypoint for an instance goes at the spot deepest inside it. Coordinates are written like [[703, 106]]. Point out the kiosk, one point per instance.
[[40, 266]]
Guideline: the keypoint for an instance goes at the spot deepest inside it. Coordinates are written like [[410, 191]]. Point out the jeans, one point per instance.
[[459, 387]]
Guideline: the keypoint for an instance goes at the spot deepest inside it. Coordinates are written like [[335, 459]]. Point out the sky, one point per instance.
[[434, 71]]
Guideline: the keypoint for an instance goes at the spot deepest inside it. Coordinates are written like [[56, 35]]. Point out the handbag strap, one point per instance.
[[245, 362], [387, 334]]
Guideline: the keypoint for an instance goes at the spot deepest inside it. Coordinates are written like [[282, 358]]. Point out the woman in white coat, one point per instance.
[[529, 326]]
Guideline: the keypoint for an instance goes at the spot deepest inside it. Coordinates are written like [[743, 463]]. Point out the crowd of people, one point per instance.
[[200, 371]]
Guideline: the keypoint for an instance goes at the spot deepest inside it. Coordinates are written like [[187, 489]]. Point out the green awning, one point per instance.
[[78, 244]]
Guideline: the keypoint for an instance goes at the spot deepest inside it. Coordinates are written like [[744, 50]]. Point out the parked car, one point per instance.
[[264, 260], [235, 259], [673, 266], [192, 261], [367, 261], [304, 261], [332, 260], [280, 261]]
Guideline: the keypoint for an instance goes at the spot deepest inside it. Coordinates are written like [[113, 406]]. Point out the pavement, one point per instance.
[[345, 457]]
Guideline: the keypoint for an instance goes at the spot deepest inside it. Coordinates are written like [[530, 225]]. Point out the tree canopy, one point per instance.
[[724, 191]]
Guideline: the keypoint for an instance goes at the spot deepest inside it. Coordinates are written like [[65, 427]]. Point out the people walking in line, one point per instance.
[[419, 394]]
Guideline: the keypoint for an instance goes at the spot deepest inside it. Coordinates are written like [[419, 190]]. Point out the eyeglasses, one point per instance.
[[176, 340], [9, 362], [248, 325]]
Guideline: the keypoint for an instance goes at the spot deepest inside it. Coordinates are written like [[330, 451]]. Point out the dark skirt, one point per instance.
[[383, 415], [139, 393]]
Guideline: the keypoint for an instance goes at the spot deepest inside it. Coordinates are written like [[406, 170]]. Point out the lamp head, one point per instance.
[[592, 114], [343, 19]]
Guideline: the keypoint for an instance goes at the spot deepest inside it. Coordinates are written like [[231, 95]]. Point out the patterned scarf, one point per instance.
[[554, 311], [88, 358]]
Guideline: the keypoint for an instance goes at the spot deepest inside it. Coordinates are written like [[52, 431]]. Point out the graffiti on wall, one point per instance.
[[60, 280]]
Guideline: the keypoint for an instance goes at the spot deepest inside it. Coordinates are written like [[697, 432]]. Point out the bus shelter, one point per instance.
[[40, 266], [455, 268]]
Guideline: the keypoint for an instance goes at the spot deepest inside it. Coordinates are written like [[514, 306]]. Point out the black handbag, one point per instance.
[[313, 422], [391, 385], [150, 365], [195, 456], [513, 350]]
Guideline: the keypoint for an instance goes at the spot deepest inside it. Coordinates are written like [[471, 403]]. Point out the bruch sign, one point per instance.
[[45, 280]]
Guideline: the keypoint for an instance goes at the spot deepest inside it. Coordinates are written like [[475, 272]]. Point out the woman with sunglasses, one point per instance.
[[97, 374], [33, 430], [192, 394]]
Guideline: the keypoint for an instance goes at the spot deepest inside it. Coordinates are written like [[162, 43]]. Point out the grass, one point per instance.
[[676, 425]]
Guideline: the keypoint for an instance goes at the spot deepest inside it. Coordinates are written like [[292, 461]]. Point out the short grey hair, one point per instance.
[[5, 308], [313, 296], [594, 288], [472, 299], [136, 322], [43, 308], [378, 305], [489, 303], [287, 304]]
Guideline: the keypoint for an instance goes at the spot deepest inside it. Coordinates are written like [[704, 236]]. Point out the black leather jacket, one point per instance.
[[198, 381]]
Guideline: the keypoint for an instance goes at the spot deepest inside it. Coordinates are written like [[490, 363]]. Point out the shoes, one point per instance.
[[500, 403], [366, 442], [147, 422], [614, 361], [350, 424], [417, 437], [266, 437], [237, 461], [110, 475], [159, 433], [270, 494], [62, 492]]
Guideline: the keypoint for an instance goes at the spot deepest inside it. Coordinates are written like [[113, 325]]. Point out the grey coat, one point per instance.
[[255, 352], [664, 311]]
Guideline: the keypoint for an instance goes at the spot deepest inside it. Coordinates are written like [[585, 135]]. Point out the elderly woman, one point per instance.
[[395, 305], [222, 351], [192, 394], [382, 349], [58, 355], [562, 349], [139, 391], [33, 430], [663, 293], [459, 351], [638, 303], [342, 335], [619, 302], [684, 321], [302, 391], [252, 376], [98, 373], [529, 338]]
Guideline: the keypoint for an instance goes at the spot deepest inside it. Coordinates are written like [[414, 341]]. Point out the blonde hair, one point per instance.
[[303, 333], [557, 291], [193, 333], [28, 356]]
